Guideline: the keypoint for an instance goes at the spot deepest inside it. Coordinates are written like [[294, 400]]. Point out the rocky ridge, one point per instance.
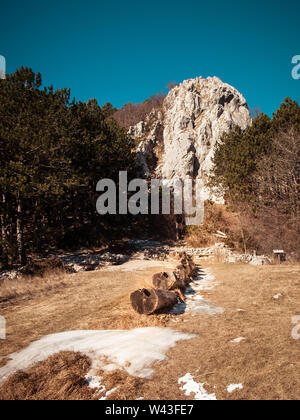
[[179, 140]]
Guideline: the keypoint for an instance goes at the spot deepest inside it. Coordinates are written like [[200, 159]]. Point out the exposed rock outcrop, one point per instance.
[[179, 141]]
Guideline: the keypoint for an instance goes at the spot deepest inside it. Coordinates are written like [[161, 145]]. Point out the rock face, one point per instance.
[[179, 141]]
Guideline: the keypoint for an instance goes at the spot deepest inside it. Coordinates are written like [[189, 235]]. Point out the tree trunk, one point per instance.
[[20, 236], [4, 232], [148, 301]]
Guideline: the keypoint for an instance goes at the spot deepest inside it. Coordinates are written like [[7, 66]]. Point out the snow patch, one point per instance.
[[109, 393], [238, 340], [191, 386], [195, 302], [133, 350], [206, 281], [94, 382], [233, 387]]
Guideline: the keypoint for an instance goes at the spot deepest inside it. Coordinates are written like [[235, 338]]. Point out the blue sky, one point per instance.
[[125, 51]]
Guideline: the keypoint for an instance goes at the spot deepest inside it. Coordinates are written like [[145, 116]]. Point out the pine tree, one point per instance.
[[53, 151]]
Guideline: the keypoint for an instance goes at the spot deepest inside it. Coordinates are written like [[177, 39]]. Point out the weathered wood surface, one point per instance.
[[189, 266], [167, 288], [148, 301], [167, 281], [181, 274]]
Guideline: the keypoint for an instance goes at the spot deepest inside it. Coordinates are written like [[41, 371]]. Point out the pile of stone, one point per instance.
[[70, 262], [149, 250], [251, 259], [160, 253], [260, 260], [227, 255], [9, 275], [218, 248], [92, 262]]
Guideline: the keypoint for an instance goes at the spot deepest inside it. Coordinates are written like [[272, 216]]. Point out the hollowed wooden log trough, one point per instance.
[[168, 281], [167, 289], [148, 301]]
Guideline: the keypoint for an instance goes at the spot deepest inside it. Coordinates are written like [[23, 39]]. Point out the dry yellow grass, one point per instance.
[[59, 377], [26, 287], [266, 363], [88, 300]]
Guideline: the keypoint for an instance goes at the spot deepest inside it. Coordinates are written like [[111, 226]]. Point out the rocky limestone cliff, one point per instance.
[[179, 140]]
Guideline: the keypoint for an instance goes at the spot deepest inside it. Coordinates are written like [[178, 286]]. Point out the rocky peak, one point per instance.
[[182, 136]]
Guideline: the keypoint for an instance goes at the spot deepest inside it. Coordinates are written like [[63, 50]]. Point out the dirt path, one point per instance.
[[247, 348]]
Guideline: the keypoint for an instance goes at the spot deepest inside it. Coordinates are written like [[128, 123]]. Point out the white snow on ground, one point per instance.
[[108, 394], [205, 281], [233, 387], [95, 382], [238, 340], [139, 265], [133, 350], [191, 386], [195, 303]]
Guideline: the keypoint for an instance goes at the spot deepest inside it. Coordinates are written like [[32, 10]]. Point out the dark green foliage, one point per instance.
[[286, 116], [236, 157], [239, 152], [53, 151], [259, 170]]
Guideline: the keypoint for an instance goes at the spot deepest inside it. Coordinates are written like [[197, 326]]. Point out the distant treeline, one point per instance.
[[131, 114], [54, 150]]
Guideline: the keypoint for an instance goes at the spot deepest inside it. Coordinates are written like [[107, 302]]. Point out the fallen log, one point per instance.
[[167, 281], [186, 267], [187, 270], [192, 266], [181, 273], [148, 301], [189, 265]]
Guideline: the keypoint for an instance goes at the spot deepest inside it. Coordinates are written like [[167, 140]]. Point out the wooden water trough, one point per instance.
[[167, 289], [148, 301], [168, 281]]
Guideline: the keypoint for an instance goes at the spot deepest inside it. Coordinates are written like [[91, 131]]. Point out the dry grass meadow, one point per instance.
[[267, 362]]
